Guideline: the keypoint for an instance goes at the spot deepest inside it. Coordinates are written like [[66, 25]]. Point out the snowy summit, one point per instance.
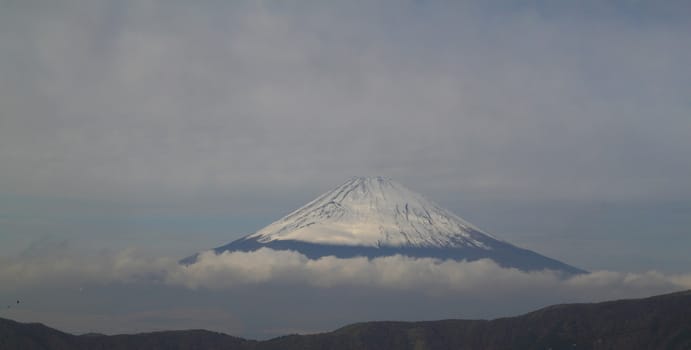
[[376, 216], [373, 211]]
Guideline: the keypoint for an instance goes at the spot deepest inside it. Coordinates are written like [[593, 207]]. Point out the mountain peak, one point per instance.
[[373, 211], [376, 216], [371, 178], [372, 181]]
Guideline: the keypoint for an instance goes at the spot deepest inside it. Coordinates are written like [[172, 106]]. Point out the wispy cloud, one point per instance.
[[73, 269]]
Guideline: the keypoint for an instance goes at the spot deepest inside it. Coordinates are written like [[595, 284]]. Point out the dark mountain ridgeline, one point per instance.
[[660, 322]]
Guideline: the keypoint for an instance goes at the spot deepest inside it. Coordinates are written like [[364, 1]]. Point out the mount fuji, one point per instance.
[[376, 216]]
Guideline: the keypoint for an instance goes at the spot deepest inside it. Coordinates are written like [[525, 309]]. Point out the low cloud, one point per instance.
[[427, 276], [63, 268], [225, 270], [266, 292]]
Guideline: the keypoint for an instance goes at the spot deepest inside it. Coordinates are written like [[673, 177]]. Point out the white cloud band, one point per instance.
[[265, 266]]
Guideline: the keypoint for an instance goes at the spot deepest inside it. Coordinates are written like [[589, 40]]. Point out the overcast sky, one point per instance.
[[173, 126]]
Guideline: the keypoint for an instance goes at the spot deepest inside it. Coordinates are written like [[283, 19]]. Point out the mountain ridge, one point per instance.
[[657, 322]]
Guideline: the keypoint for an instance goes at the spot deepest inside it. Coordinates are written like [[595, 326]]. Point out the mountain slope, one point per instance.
[[376, 216], [660, 322]]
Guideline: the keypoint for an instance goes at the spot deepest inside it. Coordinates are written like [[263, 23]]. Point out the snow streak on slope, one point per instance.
[[375, 212]]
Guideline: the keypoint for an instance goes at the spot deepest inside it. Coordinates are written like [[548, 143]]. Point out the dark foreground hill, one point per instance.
[[660, 322]]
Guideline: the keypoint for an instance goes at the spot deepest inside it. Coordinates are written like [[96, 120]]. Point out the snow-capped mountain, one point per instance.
[[376, 216], [373, 212]]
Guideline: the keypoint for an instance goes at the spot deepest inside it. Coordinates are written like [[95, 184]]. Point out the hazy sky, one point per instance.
[[168, 127]]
